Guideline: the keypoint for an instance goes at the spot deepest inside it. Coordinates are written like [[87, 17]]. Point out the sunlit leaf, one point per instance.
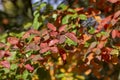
[[62, 7], [29, 67], [114, 33], [65, 19], [5, 64], [25, 74], [51, 27], [91, 30], [72, 37], [70, 42], [13, 66], [53, 42], [13, 40], [83, 17]]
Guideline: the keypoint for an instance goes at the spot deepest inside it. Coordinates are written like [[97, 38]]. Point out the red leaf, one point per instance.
[[2, 53], [51, 27], [72, 37], [37, 39], [114, 33], [44, 49], [13, 40], [118, 34], [54, 49], [101, 44], [115, 17], [104, 22], [53, 42], [26, 35], [43, 32], [29, 67], [62, 28], [5, 64], [43, 45], [62, 39], [53, 33], [63, 55], [2, 45], [34, 32], [113, 1], [32, 46]]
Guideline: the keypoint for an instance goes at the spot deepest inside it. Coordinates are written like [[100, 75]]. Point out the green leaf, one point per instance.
[[47, 53], [18, 76], [13, 56], [13, 66], [42, 5], [36, 23], [115, 52], [74, 16], [86, 44], [62, 7], [71, 10], [60, 75], [83, 17], [25, 74], [91, 30], [6, 70], [54, 16], [28, 53], [70, 42], [65, 19], [27, 25]]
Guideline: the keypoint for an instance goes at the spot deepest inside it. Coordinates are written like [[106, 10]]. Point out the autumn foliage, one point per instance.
[[67, 43]]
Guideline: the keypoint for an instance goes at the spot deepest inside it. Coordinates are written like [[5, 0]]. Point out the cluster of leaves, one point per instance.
[[62, 45]]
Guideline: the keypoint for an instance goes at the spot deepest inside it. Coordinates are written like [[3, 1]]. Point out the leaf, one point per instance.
[[2, 53], [43, 50], [47, 53], [5, 64], [32, 46], [72, 37], [62, 28], [2, 45], [113, 1], [51, 27], [54, 49], [13, 40], [25, 74], [104, 22], [29, 67], [63, 55], [43, 45], [62, 39], [91, 30], [115, 17], [101, 44], [114, 52], [37, 39], [13, 66], [53, 33], [27, 25], [114, 33], [53, 42], [82, 17], [26, 35], [36, 23], [42, 5], [70, 42], [65, 19], [62, 7], [93, 45]]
